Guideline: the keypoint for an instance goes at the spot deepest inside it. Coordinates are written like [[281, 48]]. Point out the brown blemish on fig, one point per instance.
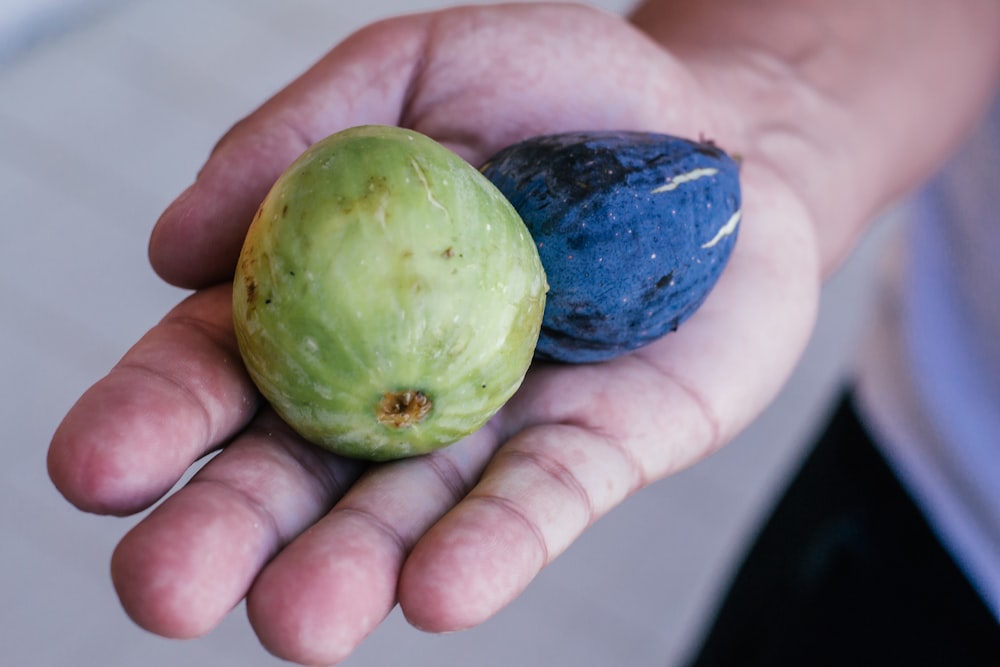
[[401, 409]]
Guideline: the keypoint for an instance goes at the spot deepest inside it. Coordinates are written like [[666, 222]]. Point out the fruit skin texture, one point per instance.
[[388, 298], [633, 230]]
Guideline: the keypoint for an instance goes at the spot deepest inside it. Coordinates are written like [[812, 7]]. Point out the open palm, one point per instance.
[[323, 547]]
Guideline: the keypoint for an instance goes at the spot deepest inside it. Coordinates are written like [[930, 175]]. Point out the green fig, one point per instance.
[[388, 298]]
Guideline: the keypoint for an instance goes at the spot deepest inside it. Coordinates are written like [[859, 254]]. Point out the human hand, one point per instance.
[[322, 547]]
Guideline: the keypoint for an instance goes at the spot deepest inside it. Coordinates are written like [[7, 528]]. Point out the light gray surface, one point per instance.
[[99, 129]]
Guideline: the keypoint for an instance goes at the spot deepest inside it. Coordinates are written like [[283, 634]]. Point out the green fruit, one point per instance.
[[388, 298]]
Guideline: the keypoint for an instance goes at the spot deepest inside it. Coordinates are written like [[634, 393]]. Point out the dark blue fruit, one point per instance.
[[633, 230]]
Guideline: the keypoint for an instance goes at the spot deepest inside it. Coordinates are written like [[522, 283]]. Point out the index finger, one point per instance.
[[178, 393]]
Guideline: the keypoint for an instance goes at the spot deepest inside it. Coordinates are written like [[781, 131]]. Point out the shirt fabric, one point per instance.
[[929, 367]]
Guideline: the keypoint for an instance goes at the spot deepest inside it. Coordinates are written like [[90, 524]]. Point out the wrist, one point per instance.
[[850, 104]]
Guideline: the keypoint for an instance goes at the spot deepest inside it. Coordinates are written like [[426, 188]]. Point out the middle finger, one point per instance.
[[187, 564]]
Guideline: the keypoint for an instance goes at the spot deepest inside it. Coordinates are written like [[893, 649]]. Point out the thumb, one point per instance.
[[363, 80]]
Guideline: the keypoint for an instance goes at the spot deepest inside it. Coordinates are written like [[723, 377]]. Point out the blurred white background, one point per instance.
[[107, 109]]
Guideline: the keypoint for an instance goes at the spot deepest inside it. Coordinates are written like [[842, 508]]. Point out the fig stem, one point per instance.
[[401, 409]]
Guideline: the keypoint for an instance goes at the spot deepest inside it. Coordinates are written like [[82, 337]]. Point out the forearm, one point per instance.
[[852, 102]]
